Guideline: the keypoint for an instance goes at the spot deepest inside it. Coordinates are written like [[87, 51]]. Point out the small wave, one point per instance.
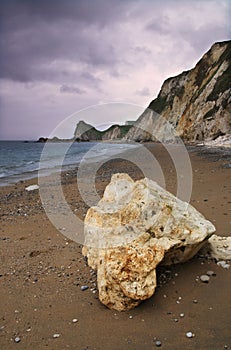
[[3, 175]]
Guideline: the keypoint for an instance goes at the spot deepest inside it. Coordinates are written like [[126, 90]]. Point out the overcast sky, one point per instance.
[[60, 56]]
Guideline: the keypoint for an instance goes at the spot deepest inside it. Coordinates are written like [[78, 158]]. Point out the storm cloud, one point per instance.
[[59, 56]]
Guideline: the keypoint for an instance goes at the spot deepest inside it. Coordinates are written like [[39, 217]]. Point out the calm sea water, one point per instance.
[[20, 160]]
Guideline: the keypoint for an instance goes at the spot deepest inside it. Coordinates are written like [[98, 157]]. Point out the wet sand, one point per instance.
[[42, 271]]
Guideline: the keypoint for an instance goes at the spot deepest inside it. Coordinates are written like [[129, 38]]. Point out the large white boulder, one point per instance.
[[135, 227]]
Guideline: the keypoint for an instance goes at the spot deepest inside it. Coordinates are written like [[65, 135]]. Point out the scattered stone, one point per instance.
[[158, 343], [195, 301], [223, 264], [182, 315], [210, 273], [17, 339], [130, 316], [190, 335], [32, 188], [34, 253], [141, 225], [83, 288], [56, 335], [218, 248], [75, 320], [204, 278]]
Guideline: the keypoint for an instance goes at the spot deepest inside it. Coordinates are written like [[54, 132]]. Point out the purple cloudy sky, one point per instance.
[[59, 56]]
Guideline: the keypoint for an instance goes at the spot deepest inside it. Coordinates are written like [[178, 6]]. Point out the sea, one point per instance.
[[20, 160]]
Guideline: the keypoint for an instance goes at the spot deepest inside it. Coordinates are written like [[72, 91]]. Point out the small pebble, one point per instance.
[[195, 301], [17, 339], [75, 320], [84, 288], [130, 316], [204, 278], [158, 343], [189, 335], [210, 273], [182, 315], [56, 335]]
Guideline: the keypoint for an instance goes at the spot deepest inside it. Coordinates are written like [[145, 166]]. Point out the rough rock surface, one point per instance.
[[221, 141], [196, 103], [218, 247], [116, 132], [134, 227]]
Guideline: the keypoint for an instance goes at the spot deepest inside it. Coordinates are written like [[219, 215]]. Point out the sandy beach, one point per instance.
[[42, 305]]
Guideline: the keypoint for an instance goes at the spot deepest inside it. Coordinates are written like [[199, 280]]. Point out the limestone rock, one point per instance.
[[134, 227], [218, 248], [221, 141], [32, 188]]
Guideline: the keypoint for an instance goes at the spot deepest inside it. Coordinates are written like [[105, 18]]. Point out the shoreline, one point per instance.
[[42, 272], [46, 171], [213, 153]]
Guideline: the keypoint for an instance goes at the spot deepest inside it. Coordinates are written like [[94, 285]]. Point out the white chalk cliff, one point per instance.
[[196, 103]]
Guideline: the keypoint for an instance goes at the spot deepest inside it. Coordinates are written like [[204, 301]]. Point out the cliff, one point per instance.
[[87, 132], [196, 103], [116, 132]]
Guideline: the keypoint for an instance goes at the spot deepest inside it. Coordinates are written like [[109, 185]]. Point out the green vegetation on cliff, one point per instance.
[[87, 132]]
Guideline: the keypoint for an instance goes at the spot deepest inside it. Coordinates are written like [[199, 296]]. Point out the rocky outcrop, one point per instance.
[[218, 248], [116, 132], [135, 227], [87, 132], [42, 139], [221, 141], [196, 103]]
